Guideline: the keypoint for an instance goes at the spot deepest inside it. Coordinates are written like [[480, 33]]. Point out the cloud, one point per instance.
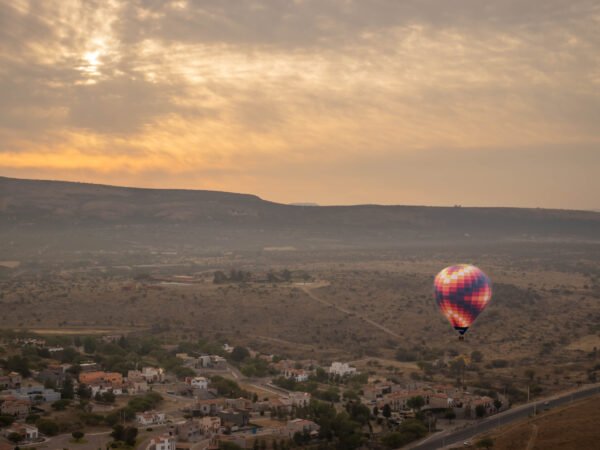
[[118, 90]]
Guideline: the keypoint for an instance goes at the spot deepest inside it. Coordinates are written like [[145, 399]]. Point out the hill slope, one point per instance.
[[228, 220]]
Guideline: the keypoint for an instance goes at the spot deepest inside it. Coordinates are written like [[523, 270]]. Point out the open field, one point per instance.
[[540, 329]]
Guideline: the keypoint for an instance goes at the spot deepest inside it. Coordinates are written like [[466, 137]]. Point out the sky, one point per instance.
[[435, 102]]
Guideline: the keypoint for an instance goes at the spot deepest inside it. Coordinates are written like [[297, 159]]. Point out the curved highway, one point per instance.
[[438, 441]]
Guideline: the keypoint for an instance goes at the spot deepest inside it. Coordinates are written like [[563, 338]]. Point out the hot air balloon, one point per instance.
[[462, 292]]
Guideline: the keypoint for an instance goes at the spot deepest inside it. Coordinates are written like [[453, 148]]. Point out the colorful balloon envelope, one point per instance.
[[461, 293]]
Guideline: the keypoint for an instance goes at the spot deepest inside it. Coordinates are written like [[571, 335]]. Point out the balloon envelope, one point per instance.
[[461, 293]]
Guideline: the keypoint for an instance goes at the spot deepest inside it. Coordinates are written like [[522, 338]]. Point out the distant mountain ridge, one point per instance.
[[229, 219]]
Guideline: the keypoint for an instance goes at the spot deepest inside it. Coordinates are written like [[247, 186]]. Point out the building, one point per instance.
[[153, 374], [299, 398], [342, 369], [164, 442], [300, 426], [197, 382], [113, 378], [234, 418], [27, 432], [189, 431], [298, 375], [150, 418], [208, 407], [11, 381], [210, 425], [15, 407]]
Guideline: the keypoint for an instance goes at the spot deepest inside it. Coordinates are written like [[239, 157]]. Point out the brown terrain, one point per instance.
[[89, 259], [573, 427]]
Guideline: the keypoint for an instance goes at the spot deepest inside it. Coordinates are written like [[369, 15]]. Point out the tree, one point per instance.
[[130, 435], [450, 415], [14, 437], [219, 277], [486, 443], [67, 391], [480, 411], [476, 356], [89, 345], [387, 411], [415, 403], [48, 427], [18, 364], [78, 435], [229, 446], [118, 432], [240, 353], [530, 373], [61, 405], [84, 391]]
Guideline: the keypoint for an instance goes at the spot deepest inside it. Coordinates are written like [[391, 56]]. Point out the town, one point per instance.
[[123, 391]]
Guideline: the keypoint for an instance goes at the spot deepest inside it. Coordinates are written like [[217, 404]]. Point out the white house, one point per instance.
[[27, 432], [199, 383], [153, 374], [150, 418], [298, 375], [342, 369], [164, 442]]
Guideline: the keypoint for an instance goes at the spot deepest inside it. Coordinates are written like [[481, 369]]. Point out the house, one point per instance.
[[56, 374], [153, 374], [89, 366], [15, 407], [27, 432], [210, 425], [189, 431], [234, 418], [218, 362], [300, 426], [298, 375], [11, 381], [38, 394], [113, 378], [150, 418], [298, 398], [137, 387], [240, 404], [163, 442], [342, 369], [101, 388], [197, 382], [208, 407]]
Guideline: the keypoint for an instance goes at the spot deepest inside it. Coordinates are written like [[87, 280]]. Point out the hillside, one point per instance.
[[240, 221]]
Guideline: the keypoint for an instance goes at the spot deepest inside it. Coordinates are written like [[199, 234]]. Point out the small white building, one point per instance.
[[153, 374], [150, 418], [342, 369], [164, 442], [27, 432], [298, 375], [199, 383]]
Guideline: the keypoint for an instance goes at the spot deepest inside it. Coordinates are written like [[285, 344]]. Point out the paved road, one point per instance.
[[503, 418]]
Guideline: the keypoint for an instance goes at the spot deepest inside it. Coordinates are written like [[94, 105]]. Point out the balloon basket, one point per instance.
[[461, 338]]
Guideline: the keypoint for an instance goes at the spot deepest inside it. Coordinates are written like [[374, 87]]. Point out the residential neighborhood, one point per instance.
[[204, 402]]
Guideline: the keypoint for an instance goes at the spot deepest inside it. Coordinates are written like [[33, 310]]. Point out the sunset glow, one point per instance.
[[326, 101]]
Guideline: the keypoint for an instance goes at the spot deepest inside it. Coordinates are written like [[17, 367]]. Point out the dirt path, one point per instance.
[[308, 291], [533, 437]]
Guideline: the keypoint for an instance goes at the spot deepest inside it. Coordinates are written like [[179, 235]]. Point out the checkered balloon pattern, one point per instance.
[[461, 293]]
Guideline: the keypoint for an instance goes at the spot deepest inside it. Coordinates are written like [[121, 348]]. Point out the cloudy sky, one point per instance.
[[438, 102]]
